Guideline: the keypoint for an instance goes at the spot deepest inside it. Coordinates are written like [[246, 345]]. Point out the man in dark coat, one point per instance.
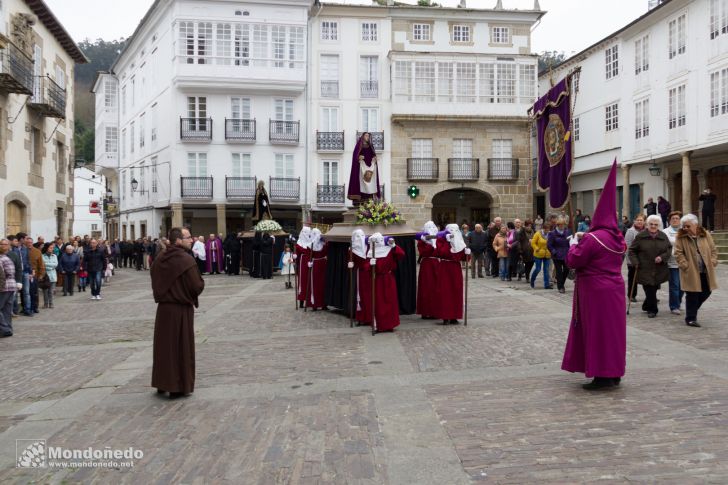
[[708, 209], [176, 284], [492, 231]]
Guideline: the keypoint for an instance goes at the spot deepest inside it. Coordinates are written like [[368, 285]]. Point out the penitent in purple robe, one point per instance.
[[597, 342]]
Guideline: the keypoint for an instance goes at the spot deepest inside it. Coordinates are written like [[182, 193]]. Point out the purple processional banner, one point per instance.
[[553, 122]]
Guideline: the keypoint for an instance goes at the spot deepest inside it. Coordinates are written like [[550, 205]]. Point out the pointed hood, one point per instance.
[[604, 225]]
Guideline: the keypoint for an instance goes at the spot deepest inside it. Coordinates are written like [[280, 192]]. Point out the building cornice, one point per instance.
[[461, 118], [49, 20]]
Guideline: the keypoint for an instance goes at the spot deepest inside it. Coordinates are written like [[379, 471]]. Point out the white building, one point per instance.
[[210, 100], [37, 57], [654, 94], [89, 191]]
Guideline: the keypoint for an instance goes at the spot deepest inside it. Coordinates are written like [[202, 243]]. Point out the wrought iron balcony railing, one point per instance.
[[330, 141], [49, 99], [240, 188], [283, 132], [463, 169], [196, 187], [423, 169], [240, 130], [377, 138], [195, 129], [16, 70], [287, 189], [330, 194], [369, 89], [502, 169], [329, 89]]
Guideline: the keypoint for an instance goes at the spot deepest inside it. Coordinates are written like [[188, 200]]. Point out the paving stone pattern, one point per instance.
[[291, 397]]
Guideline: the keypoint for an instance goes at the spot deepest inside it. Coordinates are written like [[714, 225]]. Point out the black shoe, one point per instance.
[[616, 380], [7, 334], [27, 314], [562, 290], [692, 323], [633, 300], [519, 277], [549, 287], [533, 285], [598, 384], [651, 315], [175, 395], [160, 391], [454, 322]]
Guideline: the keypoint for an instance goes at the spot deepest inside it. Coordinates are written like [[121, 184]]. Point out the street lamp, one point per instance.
[[655, 171], [135, 185]]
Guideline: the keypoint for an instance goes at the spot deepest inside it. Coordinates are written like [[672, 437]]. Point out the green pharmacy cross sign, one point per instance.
[[413, 191]]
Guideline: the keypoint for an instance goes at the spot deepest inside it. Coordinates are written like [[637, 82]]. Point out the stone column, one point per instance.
[[596, 193], [221, 219], [687, 176], [176, 215], [625, 190]]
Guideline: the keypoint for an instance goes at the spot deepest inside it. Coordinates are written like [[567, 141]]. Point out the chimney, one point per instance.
[[499, 5], [536, 6], [653, 3], [462, 4]]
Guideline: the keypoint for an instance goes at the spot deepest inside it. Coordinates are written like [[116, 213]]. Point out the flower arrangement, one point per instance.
[[268, 225], [375, 211]]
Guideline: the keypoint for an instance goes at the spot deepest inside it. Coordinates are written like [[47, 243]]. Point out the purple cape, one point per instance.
[[208, 255], [354, 192]]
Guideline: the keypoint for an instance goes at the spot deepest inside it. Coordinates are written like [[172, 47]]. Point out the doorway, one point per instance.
[[458, 206], [15, 217], [718, 183]]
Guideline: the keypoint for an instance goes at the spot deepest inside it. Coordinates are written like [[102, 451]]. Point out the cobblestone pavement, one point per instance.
[[284, 396]]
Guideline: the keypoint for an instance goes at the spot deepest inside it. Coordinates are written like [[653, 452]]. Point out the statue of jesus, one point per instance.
[[364, 178]]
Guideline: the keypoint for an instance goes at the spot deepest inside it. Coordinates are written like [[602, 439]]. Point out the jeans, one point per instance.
[[493, 263], [561, 272], [528, 267], [26, 294], [477, 258], [68, 280], [48, 297], [650, 303], [34, 295], [95, 279], [539, 262], [675, 294], [82, 282], [6, 311], [503, 264], [695, 299]]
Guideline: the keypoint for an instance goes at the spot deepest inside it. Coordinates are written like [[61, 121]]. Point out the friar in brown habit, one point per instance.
[[176, 283]]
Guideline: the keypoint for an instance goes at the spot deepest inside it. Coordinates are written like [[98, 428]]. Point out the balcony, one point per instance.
[[502, 169], [423, 169], [330, 194], [330, 89], [16, 70], [377, 139], [49, 99], [195, 129], [240, 188], [240, 130], [463, 169], [330, 141], [369, 89], [196, 187], [283, 132], [285, 189]]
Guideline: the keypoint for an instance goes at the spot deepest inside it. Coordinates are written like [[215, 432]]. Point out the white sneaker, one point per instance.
[[675, 312], [98, 297], [93, 297]]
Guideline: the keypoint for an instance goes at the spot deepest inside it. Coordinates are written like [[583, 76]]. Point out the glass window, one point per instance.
[[641, 119], [369, 32], [461, 33], [241, 165], [462, 148], [500, 35], [112, 139], [611, 113], [329, 30], [421, 148], [421, 32], [611, 59], [503, 149], [677, 36], [676, 107], [330, 172]]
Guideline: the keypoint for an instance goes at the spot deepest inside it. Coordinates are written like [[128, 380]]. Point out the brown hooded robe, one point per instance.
[[176, 283]]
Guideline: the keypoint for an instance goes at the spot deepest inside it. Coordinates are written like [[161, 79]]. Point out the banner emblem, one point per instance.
[[554, 140]]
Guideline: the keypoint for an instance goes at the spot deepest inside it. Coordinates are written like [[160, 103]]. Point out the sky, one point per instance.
[[569, 26]]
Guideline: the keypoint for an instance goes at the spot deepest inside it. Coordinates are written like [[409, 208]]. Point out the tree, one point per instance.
[[550, 59]]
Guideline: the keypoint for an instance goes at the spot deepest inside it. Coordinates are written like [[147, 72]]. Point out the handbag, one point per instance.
[[572, 274], [44, 282], [521, 267]]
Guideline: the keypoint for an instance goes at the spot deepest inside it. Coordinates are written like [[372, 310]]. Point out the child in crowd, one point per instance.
[[286, 265], [109, 271], [82, 278]]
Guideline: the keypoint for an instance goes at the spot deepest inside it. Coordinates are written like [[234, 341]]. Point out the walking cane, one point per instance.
[[295, 280], [467, 278], [634, 285], [310, 279], [351, 291], [374, 286]]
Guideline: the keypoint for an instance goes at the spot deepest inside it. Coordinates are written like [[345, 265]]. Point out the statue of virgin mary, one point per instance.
[[364, 178]]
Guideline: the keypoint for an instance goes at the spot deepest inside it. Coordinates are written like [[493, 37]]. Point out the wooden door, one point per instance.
[[694, 193], [717, 180], [15, 218]]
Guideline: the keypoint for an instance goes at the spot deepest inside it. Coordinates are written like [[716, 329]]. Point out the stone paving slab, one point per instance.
[[38, 335]]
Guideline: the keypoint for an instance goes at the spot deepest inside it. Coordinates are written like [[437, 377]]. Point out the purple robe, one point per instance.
[[208, 255], [354, 192], [597, 342]]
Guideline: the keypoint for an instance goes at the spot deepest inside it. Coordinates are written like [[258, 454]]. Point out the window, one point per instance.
[[91, 191], [187, 41], [204, 42], [719, 92], [421, 32], [576, 129], [445, 81], [611, 59], [611, 115], [462, 148], [506, 82], [329, 118], [500, 35], [641, 119], [425, 81], [123, 100], [133, 92], [461, 33], [260, 45], [141, 131], [142, 178], [330, 172], [154, 124], [503, 149], [154, 175], [677, 36], [284, 165], [241, 45], [197, 112], [676, 107], [94, 227], [36, 147], [240, 108], [109, 94], [421, 148], [60, 77], [295, 47], [370, 119], [283, 109], [329, 30], [278, 38], [241, 165], [369, 76], [123, 185], [123, 143], [132, 140], [369, 32], [465, 82], [402, 80], [223, 47], [527, 83], [329, 70], [196, 164], [718, 18], [111, 140], [642, 54]]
